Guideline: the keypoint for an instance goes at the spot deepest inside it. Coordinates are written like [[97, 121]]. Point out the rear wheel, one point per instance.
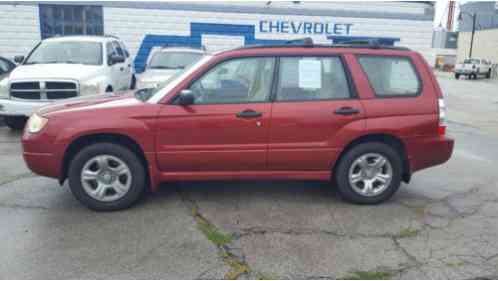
[[488, 74], [457, 76], [369, 173], [15, 122], [106, 177]]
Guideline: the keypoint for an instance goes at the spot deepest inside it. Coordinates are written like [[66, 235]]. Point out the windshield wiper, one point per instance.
[[166, 67]]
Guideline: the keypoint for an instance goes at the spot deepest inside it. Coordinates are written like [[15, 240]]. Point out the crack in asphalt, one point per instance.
[[14, 178]]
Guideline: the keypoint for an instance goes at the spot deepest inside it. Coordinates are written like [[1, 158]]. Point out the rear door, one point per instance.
[[314, 106], [226, 129]]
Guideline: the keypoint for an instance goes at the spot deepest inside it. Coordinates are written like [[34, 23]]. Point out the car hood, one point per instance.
[[54, 71], [157, 75], [92, 102]]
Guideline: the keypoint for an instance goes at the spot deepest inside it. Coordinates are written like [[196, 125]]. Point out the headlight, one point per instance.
[[36, 123], [4, 88], [90, 89]]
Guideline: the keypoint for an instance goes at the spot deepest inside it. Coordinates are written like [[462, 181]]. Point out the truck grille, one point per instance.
[[44, 90]]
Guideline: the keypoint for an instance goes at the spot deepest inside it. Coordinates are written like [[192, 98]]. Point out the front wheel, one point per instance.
[[106, 177], [369, 173], [15, 123], [457, 76], [488, 74]]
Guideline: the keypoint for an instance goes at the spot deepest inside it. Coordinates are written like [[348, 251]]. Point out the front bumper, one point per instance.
[[19, 108]]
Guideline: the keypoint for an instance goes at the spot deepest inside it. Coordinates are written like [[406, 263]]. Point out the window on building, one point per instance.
[[312, 78], [391, 76], [58, 20]]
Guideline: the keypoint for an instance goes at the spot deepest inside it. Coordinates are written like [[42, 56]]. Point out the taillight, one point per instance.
[[442, 118]]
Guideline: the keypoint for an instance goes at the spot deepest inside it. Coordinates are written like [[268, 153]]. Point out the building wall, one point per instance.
[[485, 45], [19, 29], [218, 25]]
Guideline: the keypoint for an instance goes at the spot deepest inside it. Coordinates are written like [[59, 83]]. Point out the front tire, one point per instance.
[[369, 173], [488, 74], [107, 177], [15, 123], [457, 76]]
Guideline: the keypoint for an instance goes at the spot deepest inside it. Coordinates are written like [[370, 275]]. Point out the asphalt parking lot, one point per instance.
[[444, 224]]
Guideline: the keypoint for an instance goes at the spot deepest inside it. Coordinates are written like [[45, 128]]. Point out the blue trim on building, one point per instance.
[[246, 31]]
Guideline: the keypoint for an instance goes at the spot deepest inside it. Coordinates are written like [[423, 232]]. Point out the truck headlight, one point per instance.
[[36, 123], [90, 88], [4, 88]]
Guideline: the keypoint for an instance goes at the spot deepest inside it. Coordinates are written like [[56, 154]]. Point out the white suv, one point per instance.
[[164, 62], [61, 68]]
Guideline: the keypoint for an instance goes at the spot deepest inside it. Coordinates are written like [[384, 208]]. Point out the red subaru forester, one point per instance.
[[363, 116]]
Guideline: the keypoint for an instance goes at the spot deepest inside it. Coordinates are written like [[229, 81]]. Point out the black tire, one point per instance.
[[109, 89], [488, 74], [133, 82], [473, 76], [345, 189], [15, 123], [457, 76], [138, 175]]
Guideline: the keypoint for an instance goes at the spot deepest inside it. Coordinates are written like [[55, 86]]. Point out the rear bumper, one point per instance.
[[425, 152], [19, 108]]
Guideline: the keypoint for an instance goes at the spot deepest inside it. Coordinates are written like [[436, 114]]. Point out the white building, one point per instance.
[[216, 25]]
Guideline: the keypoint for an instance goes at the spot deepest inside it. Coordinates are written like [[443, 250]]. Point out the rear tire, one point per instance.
[[457, 76], [362, 165], [488, 74], [114, 177], [15, 123]]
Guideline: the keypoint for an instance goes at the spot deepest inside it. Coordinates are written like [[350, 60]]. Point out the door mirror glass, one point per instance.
[[186, 98], [114, 58], [19, 59]]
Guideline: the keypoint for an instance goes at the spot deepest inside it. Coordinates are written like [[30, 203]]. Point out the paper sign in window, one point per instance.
[[310, 74]]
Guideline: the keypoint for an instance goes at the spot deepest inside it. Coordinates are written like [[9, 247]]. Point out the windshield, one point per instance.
[[67, 52], [471, 61], [173, 60], [155, 94]]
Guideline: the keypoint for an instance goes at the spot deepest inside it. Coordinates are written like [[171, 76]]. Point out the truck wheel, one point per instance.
[[457, 76], [106, 177], [369, 173], [133, 82], [488, 74], [15, 122]]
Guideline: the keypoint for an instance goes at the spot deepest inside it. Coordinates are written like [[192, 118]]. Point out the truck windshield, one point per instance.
[[471, 61], [173, 60], [66, 52]]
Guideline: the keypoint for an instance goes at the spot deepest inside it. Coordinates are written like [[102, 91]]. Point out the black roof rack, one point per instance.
[[308, 43]]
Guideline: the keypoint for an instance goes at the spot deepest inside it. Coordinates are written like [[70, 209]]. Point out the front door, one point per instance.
[[226, 129], [313, 109]]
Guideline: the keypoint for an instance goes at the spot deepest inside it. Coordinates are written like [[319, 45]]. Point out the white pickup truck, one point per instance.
[[64, 67], [473, 68]]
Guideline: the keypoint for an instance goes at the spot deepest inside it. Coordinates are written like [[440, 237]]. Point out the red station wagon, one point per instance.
[[363, 116]]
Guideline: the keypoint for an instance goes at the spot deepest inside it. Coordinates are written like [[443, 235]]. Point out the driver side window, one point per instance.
[[246, 80]]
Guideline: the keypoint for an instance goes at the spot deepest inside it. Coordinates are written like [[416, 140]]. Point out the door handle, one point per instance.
[[249, 113], [346, 111]]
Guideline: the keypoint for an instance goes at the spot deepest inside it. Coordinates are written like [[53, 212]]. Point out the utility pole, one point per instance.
[[474, 17]]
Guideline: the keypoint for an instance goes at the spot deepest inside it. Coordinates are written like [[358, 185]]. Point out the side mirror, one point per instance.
[[186, 98], [19, 59], [116, 59]]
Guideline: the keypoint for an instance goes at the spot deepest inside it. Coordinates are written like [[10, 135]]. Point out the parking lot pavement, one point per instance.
[[442, 225]]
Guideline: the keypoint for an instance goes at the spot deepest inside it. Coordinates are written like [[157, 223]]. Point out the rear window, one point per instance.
[[391, 76]]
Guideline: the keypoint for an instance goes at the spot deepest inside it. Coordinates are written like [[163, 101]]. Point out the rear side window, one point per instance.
[[391, 76], [312, 78]]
